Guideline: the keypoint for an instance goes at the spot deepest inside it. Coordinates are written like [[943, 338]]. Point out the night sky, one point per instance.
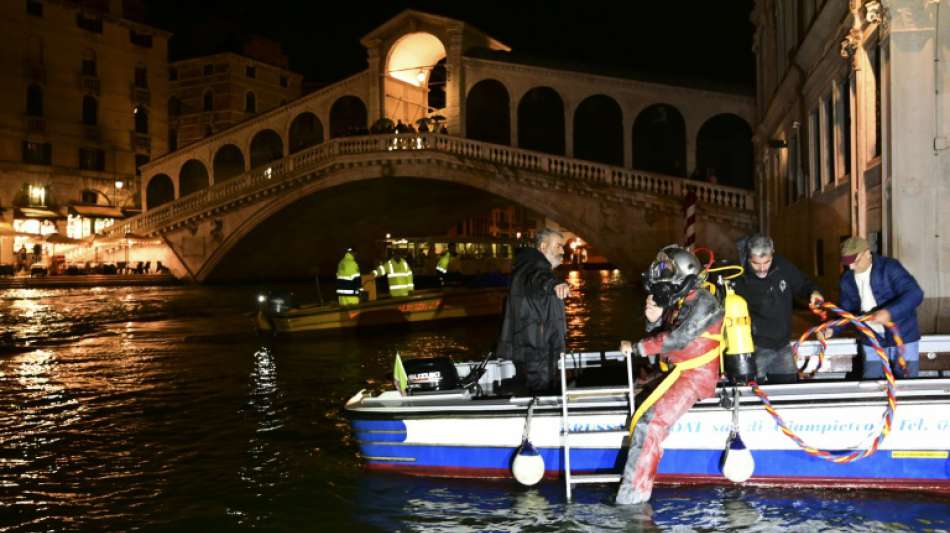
[[691, 41]]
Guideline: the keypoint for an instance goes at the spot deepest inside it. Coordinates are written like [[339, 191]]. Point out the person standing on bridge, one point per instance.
[[534, 327], [348, 280]]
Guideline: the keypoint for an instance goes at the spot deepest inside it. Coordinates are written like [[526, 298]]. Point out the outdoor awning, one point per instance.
[[96, 211], [35, 212]]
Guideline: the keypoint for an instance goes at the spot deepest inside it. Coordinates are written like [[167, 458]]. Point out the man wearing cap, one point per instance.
[[882, 287]]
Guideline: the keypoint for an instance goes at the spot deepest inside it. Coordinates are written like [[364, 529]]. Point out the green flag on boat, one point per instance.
[[399, 375]]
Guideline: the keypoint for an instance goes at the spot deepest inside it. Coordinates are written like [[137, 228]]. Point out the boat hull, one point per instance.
[[424, 306], [480, 442]]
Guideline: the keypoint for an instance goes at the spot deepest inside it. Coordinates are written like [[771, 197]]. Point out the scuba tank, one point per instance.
[[738, 362]]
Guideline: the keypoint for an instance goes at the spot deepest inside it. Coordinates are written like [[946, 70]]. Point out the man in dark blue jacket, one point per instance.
[[882, 287]]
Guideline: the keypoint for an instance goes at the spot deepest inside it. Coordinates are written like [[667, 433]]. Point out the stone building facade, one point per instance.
[[212, 93], [84, 91], [852, 135]]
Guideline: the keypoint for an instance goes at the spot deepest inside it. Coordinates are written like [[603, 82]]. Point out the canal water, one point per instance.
[[160, 409]]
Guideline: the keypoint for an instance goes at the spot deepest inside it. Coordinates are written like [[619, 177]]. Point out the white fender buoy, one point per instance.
[[528, 466], [737, 463]]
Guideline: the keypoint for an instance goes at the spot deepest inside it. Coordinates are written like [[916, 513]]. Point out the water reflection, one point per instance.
[[160, 409]]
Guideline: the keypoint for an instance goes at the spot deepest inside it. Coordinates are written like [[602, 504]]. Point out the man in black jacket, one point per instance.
[[533, 330], [770, 284]]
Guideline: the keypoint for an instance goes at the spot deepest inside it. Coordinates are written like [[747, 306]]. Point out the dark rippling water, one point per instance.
[[159, 409]]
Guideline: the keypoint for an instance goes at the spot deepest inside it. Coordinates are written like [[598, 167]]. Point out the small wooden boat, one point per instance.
[[422, 306]]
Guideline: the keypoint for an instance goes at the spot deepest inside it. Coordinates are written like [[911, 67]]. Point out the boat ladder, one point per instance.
[[570, 397]]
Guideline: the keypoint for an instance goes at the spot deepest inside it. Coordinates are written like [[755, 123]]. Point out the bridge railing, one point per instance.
[[271, 174]]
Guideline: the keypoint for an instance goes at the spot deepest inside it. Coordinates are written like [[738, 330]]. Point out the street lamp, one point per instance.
[[118, 184]]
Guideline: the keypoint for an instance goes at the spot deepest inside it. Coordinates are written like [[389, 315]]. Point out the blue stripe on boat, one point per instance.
[[784, 463], [380, 436], [378, 425]]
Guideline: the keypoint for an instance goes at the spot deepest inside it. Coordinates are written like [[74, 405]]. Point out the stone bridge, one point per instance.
[[627, 214]]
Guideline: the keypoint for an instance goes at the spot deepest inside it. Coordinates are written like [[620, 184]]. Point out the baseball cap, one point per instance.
[[850, 249]]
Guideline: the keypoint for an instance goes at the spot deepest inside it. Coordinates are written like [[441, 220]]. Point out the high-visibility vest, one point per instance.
[[443, 265], [399, 276], [348, 276]]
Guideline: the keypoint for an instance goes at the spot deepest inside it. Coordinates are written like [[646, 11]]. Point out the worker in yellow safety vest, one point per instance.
[[348, 279], [447, 267], [397, 272]]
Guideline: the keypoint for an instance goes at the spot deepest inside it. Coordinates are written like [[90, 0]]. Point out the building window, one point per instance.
[[172, 139], [141, 77], [172, 74], [829, 170], [874, 56], [814, 133], [283, 81], [140, 159], [845, 114], [37, 153], [93, 24], [141, 120], [250, 71], [250, 103], [89, 197], [34, 101], [92, 159], [792, 170], [140, 39], [34, 8], [174, 106], [89, 63], [209, 69], [208, 101], [90, 110]]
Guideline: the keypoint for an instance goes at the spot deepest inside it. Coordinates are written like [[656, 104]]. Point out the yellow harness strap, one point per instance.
[[671, 378]]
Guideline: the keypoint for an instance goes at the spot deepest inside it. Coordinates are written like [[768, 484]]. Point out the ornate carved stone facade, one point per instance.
[[851, 137]]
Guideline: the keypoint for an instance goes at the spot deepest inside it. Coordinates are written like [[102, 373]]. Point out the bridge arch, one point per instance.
[[159, 190], [598, 130], [541, 121], [228, 163], [724, 150], [348, 116], [192, 178], [488, 112], [305, 130], [413, 61], [266, 146], [659, 140]]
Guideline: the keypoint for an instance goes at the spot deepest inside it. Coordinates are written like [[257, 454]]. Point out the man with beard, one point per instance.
[[533, 330]]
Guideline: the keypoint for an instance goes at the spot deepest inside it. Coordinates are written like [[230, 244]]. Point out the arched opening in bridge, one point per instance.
[[541, 121], [487, 113], [275, 247], [598, 130], [305, 131], [193, 177], [724, 151], [415, 77], [266, 146], [659, 141], [228, 163], [160, 190], [348, 116]]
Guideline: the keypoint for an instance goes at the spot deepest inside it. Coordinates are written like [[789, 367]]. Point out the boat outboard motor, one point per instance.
[[431, 374]]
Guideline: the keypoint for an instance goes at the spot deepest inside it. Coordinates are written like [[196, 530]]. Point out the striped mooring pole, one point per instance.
[[689, 229]]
